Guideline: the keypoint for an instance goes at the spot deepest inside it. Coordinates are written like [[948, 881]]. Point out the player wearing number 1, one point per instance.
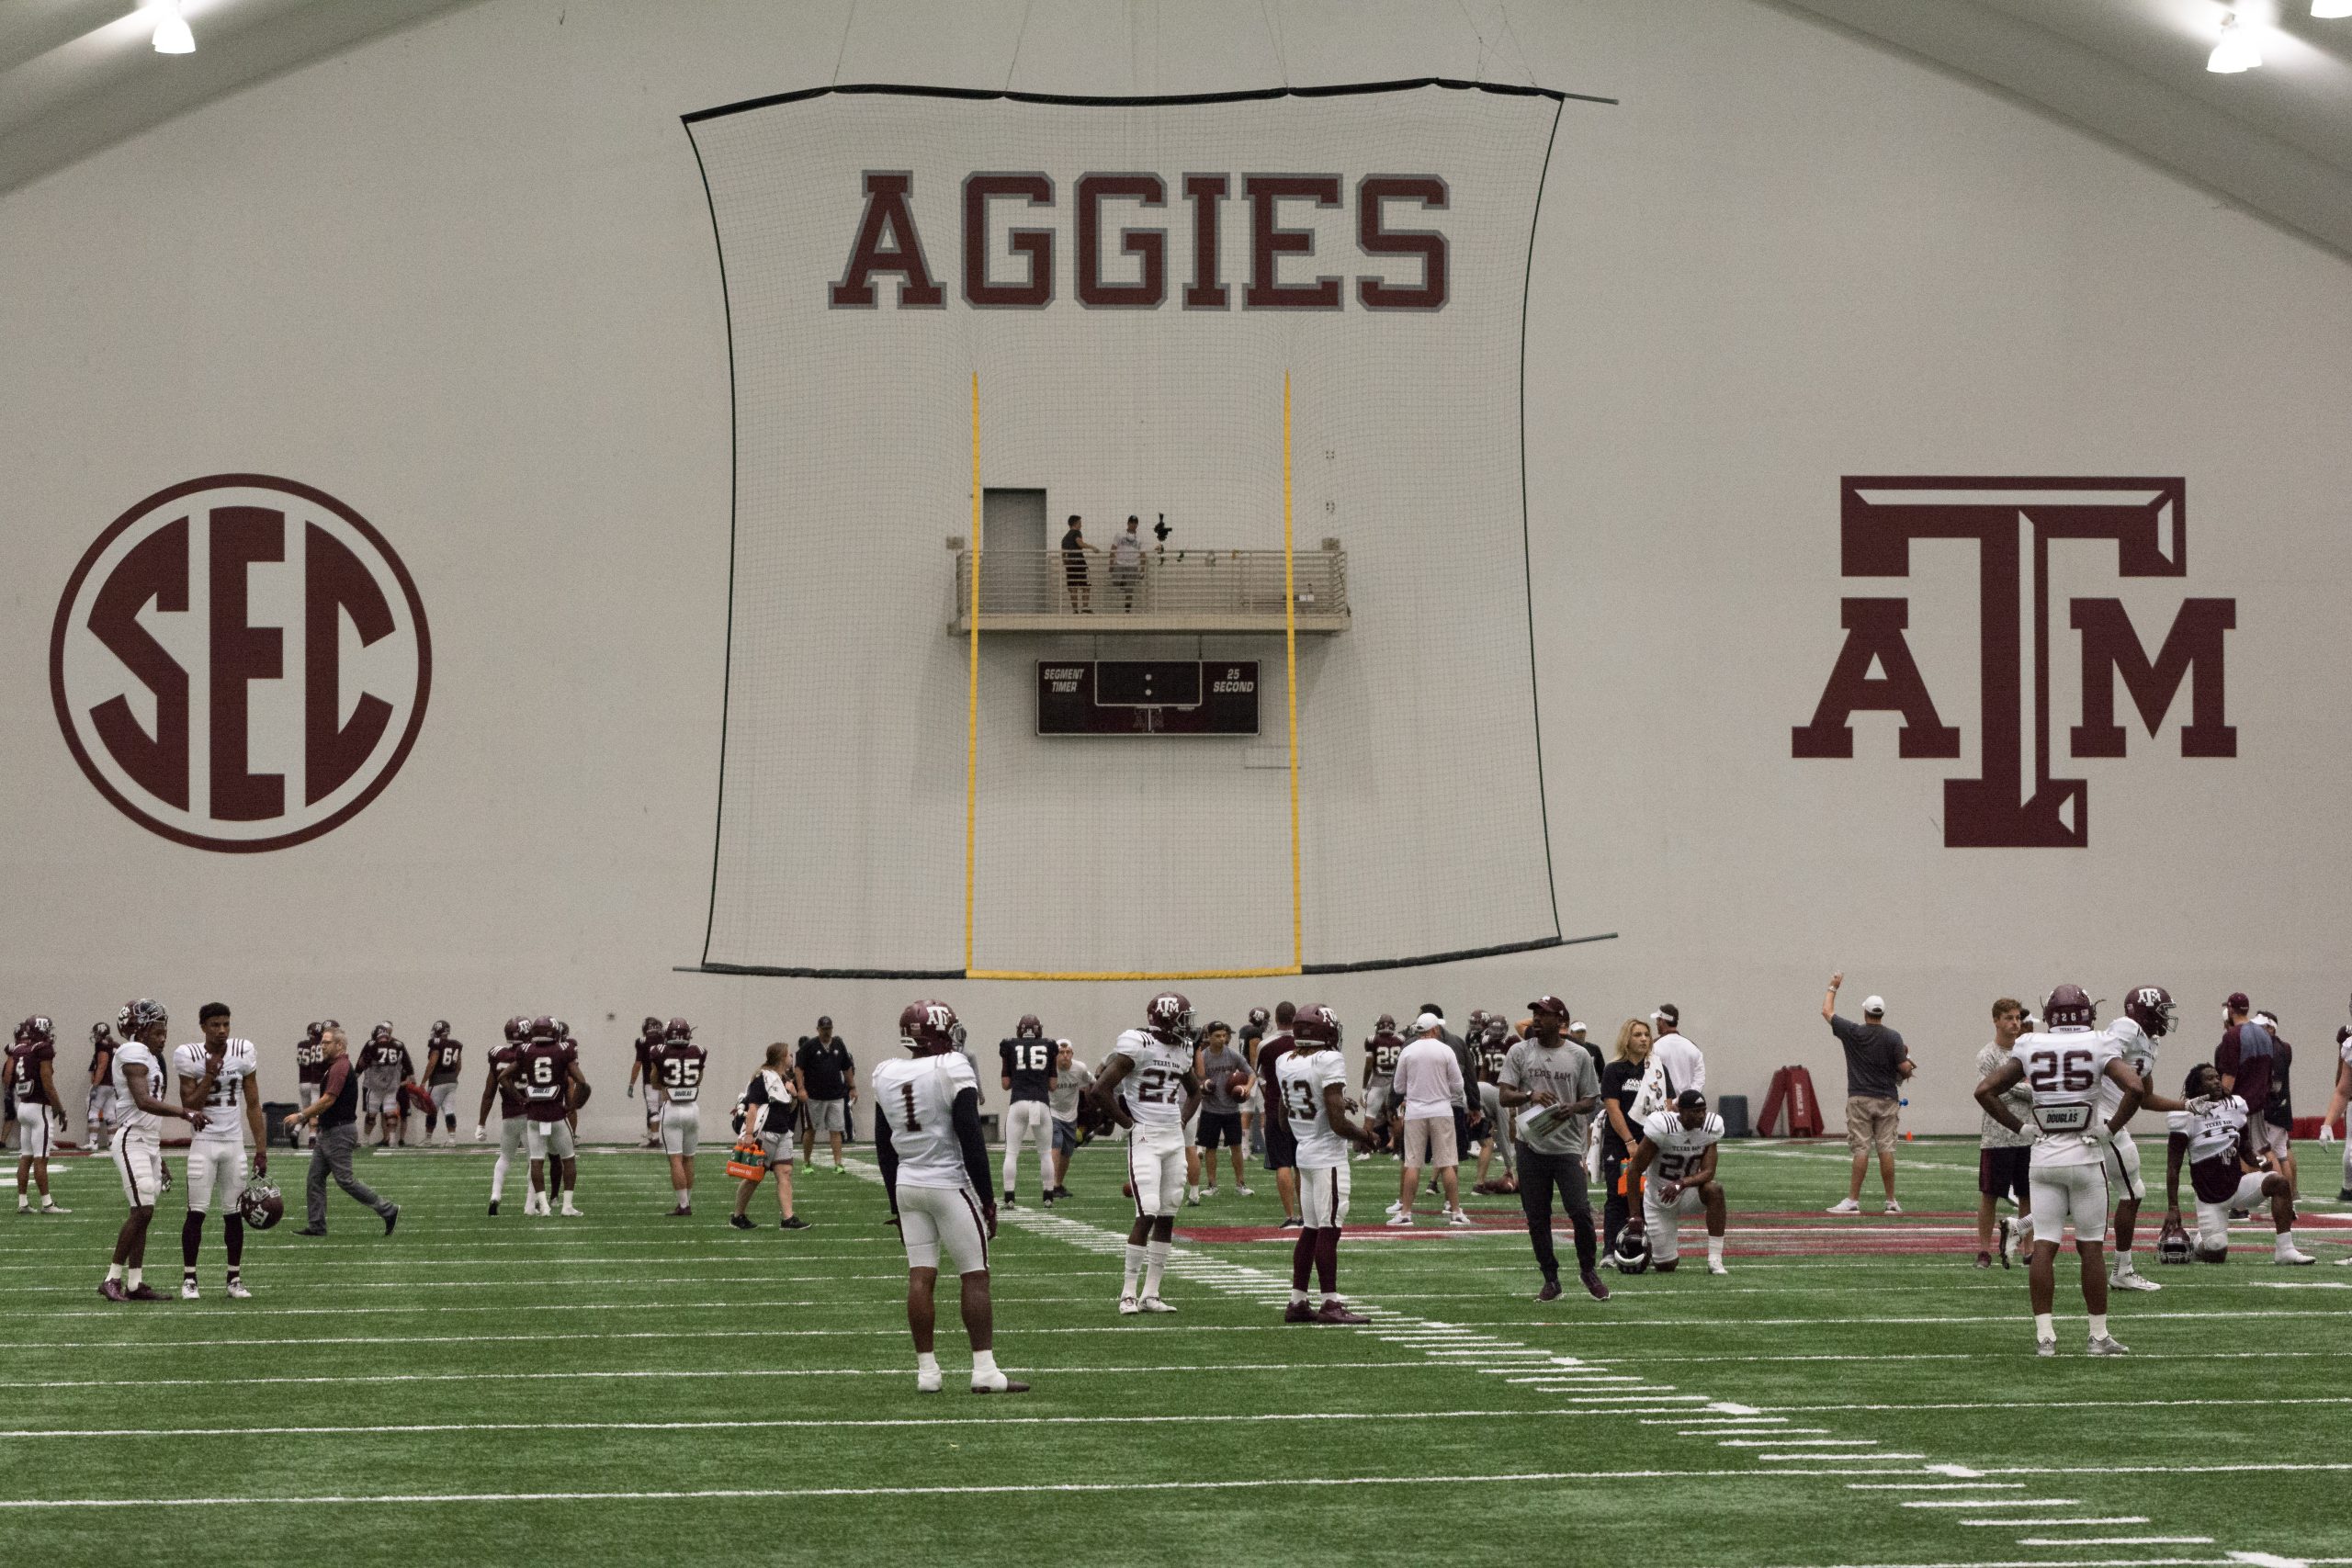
[[677, 1072], [1029, 1075], [935, 1168], [2067, 1067], [1149, 1077]]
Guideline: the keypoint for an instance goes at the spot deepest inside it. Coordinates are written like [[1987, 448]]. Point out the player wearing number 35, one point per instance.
[[677, 1070], [935, 1168]]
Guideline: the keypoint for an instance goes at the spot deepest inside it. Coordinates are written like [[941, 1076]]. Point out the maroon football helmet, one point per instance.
[[1029, 1028], [927, 1028], [2069, 1007], [314, 1031], [652, 1029], [1169, 1016], [145, 1015], [1498, 1027], [1478, 1024], [543, 1028], [1261, 1016], [261, 1205], [2150, 1007], [1316, 1025], [40, 1030], [1385, 1024], [518, 1029], [102, 1033], [679, 1029], [562, 1029]]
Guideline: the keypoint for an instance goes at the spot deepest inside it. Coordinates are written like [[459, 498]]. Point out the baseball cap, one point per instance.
[[1873, 1004], [2237, 1002], [1552, 1004], [1574, 1024], [1426, 1022], [1667, 1015]]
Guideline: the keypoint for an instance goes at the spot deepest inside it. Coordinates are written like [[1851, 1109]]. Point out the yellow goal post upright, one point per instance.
[[972, 749]]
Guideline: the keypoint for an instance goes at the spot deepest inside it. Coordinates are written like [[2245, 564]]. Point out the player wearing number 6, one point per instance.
[[677, 1073], [1149, 1078], [2066, 1067]]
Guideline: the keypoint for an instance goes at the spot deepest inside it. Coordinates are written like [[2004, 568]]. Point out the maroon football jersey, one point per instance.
[[546, 1078], [677, 1071], [510, 1096], [24, 1072]]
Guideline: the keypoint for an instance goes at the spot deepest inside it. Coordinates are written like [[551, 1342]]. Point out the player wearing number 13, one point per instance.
[[218, 1073], [1313, 1094], [2067, 1067], [935, 1168], [677, 1072], [1151, 1074]]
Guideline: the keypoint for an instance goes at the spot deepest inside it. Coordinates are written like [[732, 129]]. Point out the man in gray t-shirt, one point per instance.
[[1072, 1078], [1876, 1064], [1550, 1079], [1216, 1062]]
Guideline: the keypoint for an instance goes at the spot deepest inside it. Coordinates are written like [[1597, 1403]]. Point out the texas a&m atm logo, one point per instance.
[[2017, 802], [240, 662]]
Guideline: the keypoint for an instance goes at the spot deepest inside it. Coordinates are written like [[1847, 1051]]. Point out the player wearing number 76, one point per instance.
[[1151, 1074]]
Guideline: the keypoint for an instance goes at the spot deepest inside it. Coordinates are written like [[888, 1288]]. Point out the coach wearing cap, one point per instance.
[[1876, 1064]]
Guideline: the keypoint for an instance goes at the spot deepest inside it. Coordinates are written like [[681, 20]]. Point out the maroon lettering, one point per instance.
[[1037, 245], [154, 570], [1151, 244], [1207, 290], [1875, 636], [887, 242], [241, 654], [1374, 240], [1269, 243], [335, 582], [2192, 651]]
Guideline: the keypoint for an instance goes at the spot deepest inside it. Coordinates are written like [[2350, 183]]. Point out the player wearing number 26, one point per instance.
[[935, 1168], [677, 1070], [2066, 1067]]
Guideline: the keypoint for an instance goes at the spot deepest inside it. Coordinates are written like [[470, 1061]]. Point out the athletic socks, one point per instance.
[[1155, 1265], [498, 1181], [114, 1271], [927, 1363], [2099, 1326], [983, 1364], [1714, 1250], [1135, 1268], [2285, 1244], [1297, 1296], [132, 1278], [2044, 1328]]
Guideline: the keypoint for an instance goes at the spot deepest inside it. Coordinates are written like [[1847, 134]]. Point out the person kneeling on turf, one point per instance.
[[1678, 1154], [2226, 1170]]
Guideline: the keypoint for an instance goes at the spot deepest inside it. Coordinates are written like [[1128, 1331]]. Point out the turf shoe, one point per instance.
[[1129, 1306], [392, 1219], [1844, 1206], [2045, 1347], [1550, 1293], [237, 1292], [794, 1222], [1298, 1312], [2106, 1344], [1591, 1279], [1153, 1303], [740, 1222], [1336, 1312], [189, 1290]]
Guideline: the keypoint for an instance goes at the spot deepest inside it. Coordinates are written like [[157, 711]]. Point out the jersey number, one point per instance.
[[1157, 1086], [681, 1072], [1032, 1058], [542, 1077], [906, 1094], [1300, 1100], [2061, 1072]]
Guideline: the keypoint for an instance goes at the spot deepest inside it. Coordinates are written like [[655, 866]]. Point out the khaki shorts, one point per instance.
[[1429, 1140], [1870, 1123]]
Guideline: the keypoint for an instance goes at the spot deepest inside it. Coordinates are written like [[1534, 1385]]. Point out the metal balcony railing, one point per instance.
[[1171, 591]]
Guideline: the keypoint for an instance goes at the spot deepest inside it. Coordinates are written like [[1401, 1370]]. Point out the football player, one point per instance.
[[101, 1110], [1494, 1048], [677, 1069], [1148, 1078], [444, 1060], [2213, 1134], [310, 1069], [384, 1065], [1072, 1080], [1545, 1070], [1678, 1155], [1282, 1150], [935, 1169], [2335, 1107], [219, 1074], [1027, 1069], [1380, 1054], [32, 1083], [640, 1071], [1313, 1094], [140, 1110], [509, 1095], [547, 1073], [2064, 1066], [2147, 1018]]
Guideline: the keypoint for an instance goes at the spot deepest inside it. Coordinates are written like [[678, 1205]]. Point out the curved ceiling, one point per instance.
[[78, 75]]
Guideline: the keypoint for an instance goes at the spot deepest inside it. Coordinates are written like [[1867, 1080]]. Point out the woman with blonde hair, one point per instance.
[[1620, 1080]]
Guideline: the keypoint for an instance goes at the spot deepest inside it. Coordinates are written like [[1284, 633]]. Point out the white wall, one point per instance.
[[462, 278]]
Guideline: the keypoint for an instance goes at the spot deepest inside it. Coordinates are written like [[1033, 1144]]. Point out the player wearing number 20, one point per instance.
[[218, 1074], [677, 1070], [1678, 1154], [2067, 1067], [935, 1168], [1150, 1072]]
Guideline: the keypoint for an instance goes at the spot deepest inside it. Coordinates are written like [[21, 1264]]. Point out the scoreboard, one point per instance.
[[1148, 696]]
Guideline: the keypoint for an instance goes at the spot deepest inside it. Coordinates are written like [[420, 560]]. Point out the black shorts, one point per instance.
[[1220, 1124], [1281, 1146], [2004, 1173]]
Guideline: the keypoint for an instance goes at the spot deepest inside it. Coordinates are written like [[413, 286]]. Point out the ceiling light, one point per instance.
[[172, 34], [2327, 8], [2236, 51]]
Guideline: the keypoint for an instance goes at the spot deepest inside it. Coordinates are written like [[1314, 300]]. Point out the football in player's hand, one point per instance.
[[1127, 1188], [581, 1098]]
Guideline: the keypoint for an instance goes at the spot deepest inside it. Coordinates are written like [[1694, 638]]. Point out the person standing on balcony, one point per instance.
[[1074, 550], [1127, 563]]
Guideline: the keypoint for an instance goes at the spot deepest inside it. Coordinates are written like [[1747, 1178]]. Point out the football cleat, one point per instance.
[[997, 1382], [2294, 1257], [1456, 1217], [1336, 1312], [1550, 1293], [1984, 1260], [2106, 1344], [1715, 1266], [1129, 1306], [1153, 1303], [189, 1290], [2045, 1347], [392, 1219], [237, 1292], [52, 1208], [494, 1208], [112, 1290], [1290, 1223], [142, 1293], [1892, 1207], [926, 1382], [1298, 1312], [2132, 1280]]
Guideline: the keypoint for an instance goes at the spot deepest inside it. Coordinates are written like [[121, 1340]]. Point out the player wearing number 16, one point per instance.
[[677, 1072], [935, 1168], [2066, 1067], [1150, 1073]]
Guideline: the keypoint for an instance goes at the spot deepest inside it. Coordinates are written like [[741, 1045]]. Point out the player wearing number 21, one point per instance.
[[2066, 1067], [676, 1069], [218, 1074], [1150, 1084], [935, 1169]]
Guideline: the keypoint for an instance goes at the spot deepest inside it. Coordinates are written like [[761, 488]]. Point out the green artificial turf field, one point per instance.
[[624, 1388]]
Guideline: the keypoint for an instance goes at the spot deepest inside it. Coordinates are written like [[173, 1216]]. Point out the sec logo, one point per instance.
[[240, 663]]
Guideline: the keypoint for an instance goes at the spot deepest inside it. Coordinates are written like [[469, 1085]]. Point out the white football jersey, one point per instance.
[[1304, 1075], [1153, 1090], [916, 1096], [2063, 1069], [131, 1053], [2139, 1051], [1680, 1150], [224, 1110], [2213, 1133]]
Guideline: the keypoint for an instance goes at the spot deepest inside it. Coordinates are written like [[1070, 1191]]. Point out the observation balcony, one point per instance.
[[1181, 591]]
